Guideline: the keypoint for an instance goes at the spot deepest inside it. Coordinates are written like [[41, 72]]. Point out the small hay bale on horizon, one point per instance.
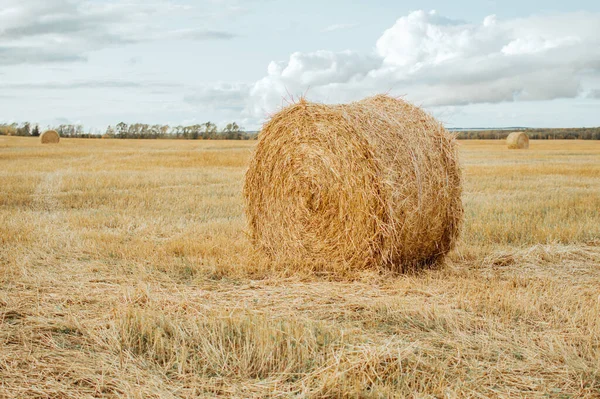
[[50, 137], [367, 185], [517, 141]]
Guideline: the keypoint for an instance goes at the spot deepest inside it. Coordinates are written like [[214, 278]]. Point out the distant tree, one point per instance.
[[177, 131], [8, 130], [194, 132], [164, 131], [69, 130], [24, 130], [110, 132], [232, 132], [35, 131], [122, 130], [154, 131], [210, 131]]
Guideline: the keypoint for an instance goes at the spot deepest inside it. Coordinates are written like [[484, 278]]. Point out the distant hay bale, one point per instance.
[[369, 184], [50, 137], [517, 140]]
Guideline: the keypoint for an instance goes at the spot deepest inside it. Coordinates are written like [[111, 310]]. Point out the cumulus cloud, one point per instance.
[[321, 72], [593, 93], [437, 61], [42, 31]]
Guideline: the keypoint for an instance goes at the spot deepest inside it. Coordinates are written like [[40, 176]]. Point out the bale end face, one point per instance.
[[517, 141], [50, 137]]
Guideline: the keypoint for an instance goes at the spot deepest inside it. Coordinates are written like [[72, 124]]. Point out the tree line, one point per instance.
[[24, 129], [232, 131], [585, 133], [203, 131]]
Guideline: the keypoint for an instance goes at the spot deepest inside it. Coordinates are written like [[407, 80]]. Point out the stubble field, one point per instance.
[[126, 271]]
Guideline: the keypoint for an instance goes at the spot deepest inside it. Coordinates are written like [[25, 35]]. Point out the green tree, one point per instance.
[[210, 131], [232, 132], [24, 130], [110, 132], [122, 130]]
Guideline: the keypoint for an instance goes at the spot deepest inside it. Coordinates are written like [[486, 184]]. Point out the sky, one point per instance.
[[470, 63]]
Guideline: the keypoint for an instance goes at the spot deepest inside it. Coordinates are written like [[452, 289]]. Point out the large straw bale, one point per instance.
[[369, 184], [50, 137], [517, 141]]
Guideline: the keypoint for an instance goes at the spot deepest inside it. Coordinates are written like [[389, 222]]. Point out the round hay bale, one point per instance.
[[369, 184], [517, 140], [50, 137]]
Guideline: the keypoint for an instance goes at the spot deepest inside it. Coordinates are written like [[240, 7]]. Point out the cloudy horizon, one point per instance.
[[489, 64]]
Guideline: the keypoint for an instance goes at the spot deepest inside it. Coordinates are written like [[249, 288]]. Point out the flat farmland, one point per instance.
[[126, 271]]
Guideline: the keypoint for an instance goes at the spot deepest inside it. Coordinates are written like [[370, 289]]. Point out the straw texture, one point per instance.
[[517, 141], [50, 137], [369, 184]]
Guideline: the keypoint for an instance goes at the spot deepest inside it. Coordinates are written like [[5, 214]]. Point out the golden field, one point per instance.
[[126, 271]]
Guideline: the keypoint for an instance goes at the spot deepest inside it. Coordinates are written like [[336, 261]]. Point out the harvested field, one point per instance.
[[126, 271]]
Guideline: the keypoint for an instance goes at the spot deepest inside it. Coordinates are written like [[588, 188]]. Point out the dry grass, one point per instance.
[[125, 272], [365, 185]]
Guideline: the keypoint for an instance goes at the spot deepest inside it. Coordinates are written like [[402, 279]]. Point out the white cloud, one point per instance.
[[224, 96], [532, 45], [42, 31], [436, 61], [319, 72], [89, 84]]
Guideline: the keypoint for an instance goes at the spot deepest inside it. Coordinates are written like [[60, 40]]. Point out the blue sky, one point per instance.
[[470, 63]]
